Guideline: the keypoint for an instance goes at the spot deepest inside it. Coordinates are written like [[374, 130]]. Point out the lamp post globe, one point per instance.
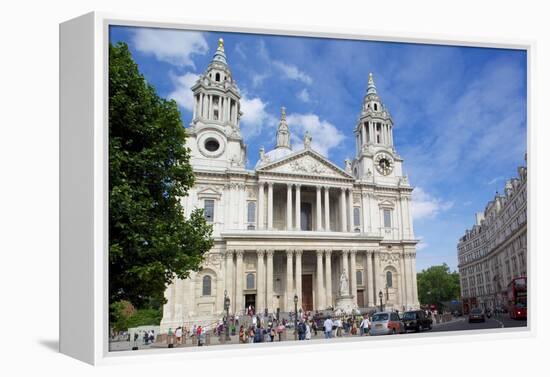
[[380, 295], [295, 316]]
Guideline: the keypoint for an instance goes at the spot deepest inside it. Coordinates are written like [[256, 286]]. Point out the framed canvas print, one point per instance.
[[233, 189]]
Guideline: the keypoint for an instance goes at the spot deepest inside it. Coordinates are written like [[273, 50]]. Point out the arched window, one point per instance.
[[375, 107], [250, 281], [356, 216], [359, 277], [217, 77], [206, 285], [389, 279]]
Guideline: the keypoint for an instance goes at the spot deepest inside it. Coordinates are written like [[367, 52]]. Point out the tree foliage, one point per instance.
[[150, 239], [437, 284]]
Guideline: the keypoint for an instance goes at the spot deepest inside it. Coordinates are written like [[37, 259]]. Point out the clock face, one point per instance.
[[383, 163]]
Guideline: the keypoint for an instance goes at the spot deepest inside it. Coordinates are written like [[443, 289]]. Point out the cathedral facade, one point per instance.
[[297, 224]]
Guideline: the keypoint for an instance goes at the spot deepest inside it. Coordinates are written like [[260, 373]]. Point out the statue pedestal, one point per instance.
[[345, 304]]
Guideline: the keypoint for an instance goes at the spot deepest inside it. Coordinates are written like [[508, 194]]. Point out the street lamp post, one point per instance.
[[380, 295], [295, 316], [226, 303]]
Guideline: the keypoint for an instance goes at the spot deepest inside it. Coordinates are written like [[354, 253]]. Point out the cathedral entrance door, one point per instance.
[[360, 298], [307, 292], [305, 216], [249, 300]]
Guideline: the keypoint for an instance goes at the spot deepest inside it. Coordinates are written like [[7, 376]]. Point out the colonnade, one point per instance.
[[293, 207], [325, 292]]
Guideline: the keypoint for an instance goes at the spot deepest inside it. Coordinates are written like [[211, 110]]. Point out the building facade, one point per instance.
[[297, 223], [494, 250]]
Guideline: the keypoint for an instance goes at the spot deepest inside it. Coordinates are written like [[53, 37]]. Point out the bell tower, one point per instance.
[[375, 155], [214, 134]]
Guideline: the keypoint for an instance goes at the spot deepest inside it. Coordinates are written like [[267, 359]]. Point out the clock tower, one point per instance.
[[376, 159]]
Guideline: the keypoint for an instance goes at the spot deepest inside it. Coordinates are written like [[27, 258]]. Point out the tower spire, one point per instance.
[[283, 134], [219, 56], [371, 88]]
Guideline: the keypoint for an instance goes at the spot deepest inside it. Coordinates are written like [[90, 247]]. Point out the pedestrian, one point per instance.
[[365, 325], [152, 336], [178, 335], [242, 336], [308, 331], [272, 333], [328, 327], [314, 326], [199, 333], [301, 330], [251, 334]]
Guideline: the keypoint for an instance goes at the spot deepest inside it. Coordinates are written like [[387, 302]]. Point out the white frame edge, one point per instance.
[[84, 187]]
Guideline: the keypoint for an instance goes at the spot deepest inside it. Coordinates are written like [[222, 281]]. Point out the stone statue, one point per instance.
[[347, 162], [344, 286], [307, 140]]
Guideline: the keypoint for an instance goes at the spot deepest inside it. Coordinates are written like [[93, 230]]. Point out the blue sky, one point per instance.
[[459, 112]]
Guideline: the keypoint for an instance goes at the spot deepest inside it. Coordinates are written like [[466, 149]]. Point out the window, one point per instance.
[[359, 277], [387, 218], [209, 210], [251, 212], [250, 281], [217, 77], [389, 279], [356, 216], [207, 285]]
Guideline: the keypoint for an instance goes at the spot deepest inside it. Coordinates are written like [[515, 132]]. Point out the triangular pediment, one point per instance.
[[306, 162]]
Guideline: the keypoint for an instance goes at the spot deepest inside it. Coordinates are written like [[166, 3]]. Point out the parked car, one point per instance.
[[417, 320], [384, 323], [476, 315]]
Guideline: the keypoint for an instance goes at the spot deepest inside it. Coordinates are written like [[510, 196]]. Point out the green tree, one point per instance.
[[437, 284], [150, 240]]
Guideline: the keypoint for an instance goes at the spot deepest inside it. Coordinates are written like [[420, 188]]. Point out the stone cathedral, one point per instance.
[[297, 223]]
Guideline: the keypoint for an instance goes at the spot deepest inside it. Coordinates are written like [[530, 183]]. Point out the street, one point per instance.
[[490, 323]]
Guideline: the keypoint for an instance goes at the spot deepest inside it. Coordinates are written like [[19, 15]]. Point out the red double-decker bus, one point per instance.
[[517, 298]]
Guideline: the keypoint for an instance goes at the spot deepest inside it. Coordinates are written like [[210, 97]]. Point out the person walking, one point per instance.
[[328, 328], [365, 324], [242, 337], [199, 333], [308, 331], [178, 335]]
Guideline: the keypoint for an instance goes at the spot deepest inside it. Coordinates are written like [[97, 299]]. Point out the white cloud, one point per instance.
[[292, 72], [255, 116], [258, 78], [421, 245], [303, 95], [425, 205], [325, 135], [172, 46], [495, 180], [182, 93]]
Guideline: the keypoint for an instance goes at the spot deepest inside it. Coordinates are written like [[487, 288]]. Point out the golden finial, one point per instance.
[[220, 43]]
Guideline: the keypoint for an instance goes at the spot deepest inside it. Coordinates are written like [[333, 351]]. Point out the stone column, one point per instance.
[[403, 279], [327, 209], [229, 276], [363, 135], [318, 208], [365, 211], [298, 280], [343, 225], [371, 132], [261, 198], [210, 106], [319, 294], [376, 276], [353, 275], [328, 277], [350, 209], [239, 283], [201, 104], [289, 285], [260, 281], [289, 206], [298, 209], [408, 267], [269, 277], [370, 279], [344, 265], [269, 205]]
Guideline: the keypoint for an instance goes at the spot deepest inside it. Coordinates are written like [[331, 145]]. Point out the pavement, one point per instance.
[[456, 324]]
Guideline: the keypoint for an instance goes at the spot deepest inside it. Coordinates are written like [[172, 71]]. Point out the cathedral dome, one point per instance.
[[282, 147]]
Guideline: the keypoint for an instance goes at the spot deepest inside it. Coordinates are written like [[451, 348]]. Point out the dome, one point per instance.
[[274, 155]]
